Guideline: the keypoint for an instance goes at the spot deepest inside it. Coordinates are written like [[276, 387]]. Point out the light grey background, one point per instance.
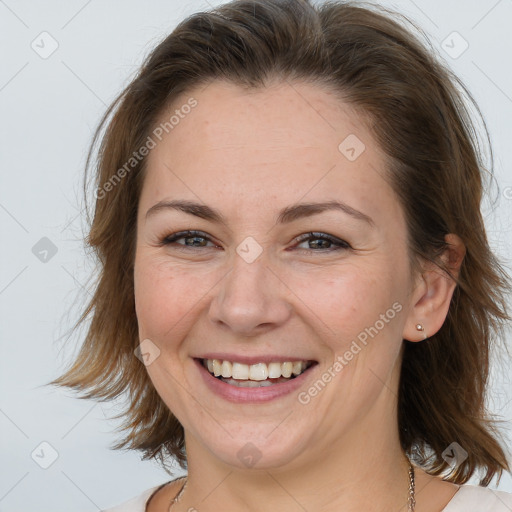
[[49, 109]]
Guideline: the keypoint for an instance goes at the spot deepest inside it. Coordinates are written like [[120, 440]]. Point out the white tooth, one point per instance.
[[274, 370], [258, 371], [227, 368], [297, 368], [286, 369], [217, 367], [240, 371]]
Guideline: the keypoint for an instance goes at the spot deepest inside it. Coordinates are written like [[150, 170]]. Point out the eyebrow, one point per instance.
[[286, 215]]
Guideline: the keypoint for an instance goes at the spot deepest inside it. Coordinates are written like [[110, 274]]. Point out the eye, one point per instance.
[[323, 242], [192, 239]]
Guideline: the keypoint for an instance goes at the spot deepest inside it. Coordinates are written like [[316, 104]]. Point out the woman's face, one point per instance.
[[245, 289]]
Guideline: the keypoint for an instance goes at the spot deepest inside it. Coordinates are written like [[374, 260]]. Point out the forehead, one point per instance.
[[283, 117], [287, 140]]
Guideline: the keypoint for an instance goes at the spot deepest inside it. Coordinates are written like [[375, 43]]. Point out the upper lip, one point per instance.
[[249, 360]]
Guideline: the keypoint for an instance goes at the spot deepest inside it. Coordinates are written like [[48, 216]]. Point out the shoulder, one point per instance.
[[474, 498], [136, 504]]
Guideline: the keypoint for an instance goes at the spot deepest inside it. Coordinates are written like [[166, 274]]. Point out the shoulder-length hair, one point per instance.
[[415, 108]]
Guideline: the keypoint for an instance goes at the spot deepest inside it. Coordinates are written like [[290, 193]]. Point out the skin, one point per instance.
[[249, 154]]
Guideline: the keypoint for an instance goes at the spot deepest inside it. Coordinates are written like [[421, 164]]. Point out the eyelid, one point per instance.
[[322, 236], [188, 233]]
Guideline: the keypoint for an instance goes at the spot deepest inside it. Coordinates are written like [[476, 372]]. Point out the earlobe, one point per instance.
[[432, 297], [420, 328]]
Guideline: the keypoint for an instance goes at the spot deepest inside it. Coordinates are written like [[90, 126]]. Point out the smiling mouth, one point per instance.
[[255, 375]]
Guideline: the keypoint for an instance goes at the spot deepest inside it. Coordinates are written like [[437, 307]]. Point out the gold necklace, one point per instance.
[[178, 496], [411, 501]]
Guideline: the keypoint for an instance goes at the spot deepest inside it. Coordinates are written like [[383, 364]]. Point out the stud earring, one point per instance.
[[420, 328]]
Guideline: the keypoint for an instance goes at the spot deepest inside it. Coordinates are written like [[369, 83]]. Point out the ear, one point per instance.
[[431, 297]]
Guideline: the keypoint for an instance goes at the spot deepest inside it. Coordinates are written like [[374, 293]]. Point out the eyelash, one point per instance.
[[339, 244]]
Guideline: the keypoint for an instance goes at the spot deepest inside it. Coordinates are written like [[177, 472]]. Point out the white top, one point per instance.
[[469, 498]]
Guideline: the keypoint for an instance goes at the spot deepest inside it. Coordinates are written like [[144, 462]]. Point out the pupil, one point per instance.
[[195, 238], [316, 243]]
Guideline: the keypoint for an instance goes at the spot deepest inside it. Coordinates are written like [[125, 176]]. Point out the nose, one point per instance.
[[251, 299]]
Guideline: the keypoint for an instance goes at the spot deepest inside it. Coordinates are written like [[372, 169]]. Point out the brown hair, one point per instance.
[[416, 110]]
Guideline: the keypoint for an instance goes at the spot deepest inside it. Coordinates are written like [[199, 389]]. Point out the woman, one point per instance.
[[296, 288]]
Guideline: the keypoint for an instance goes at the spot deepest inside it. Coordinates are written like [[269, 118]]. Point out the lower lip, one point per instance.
[[251, 395]]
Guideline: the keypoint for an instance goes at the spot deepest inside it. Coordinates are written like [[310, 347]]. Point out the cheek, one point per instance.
[[349, 298], [162, 297]]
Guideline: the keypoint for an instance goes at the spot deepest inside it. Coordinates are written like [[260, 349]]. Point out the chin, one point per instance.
[[257, 448]]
